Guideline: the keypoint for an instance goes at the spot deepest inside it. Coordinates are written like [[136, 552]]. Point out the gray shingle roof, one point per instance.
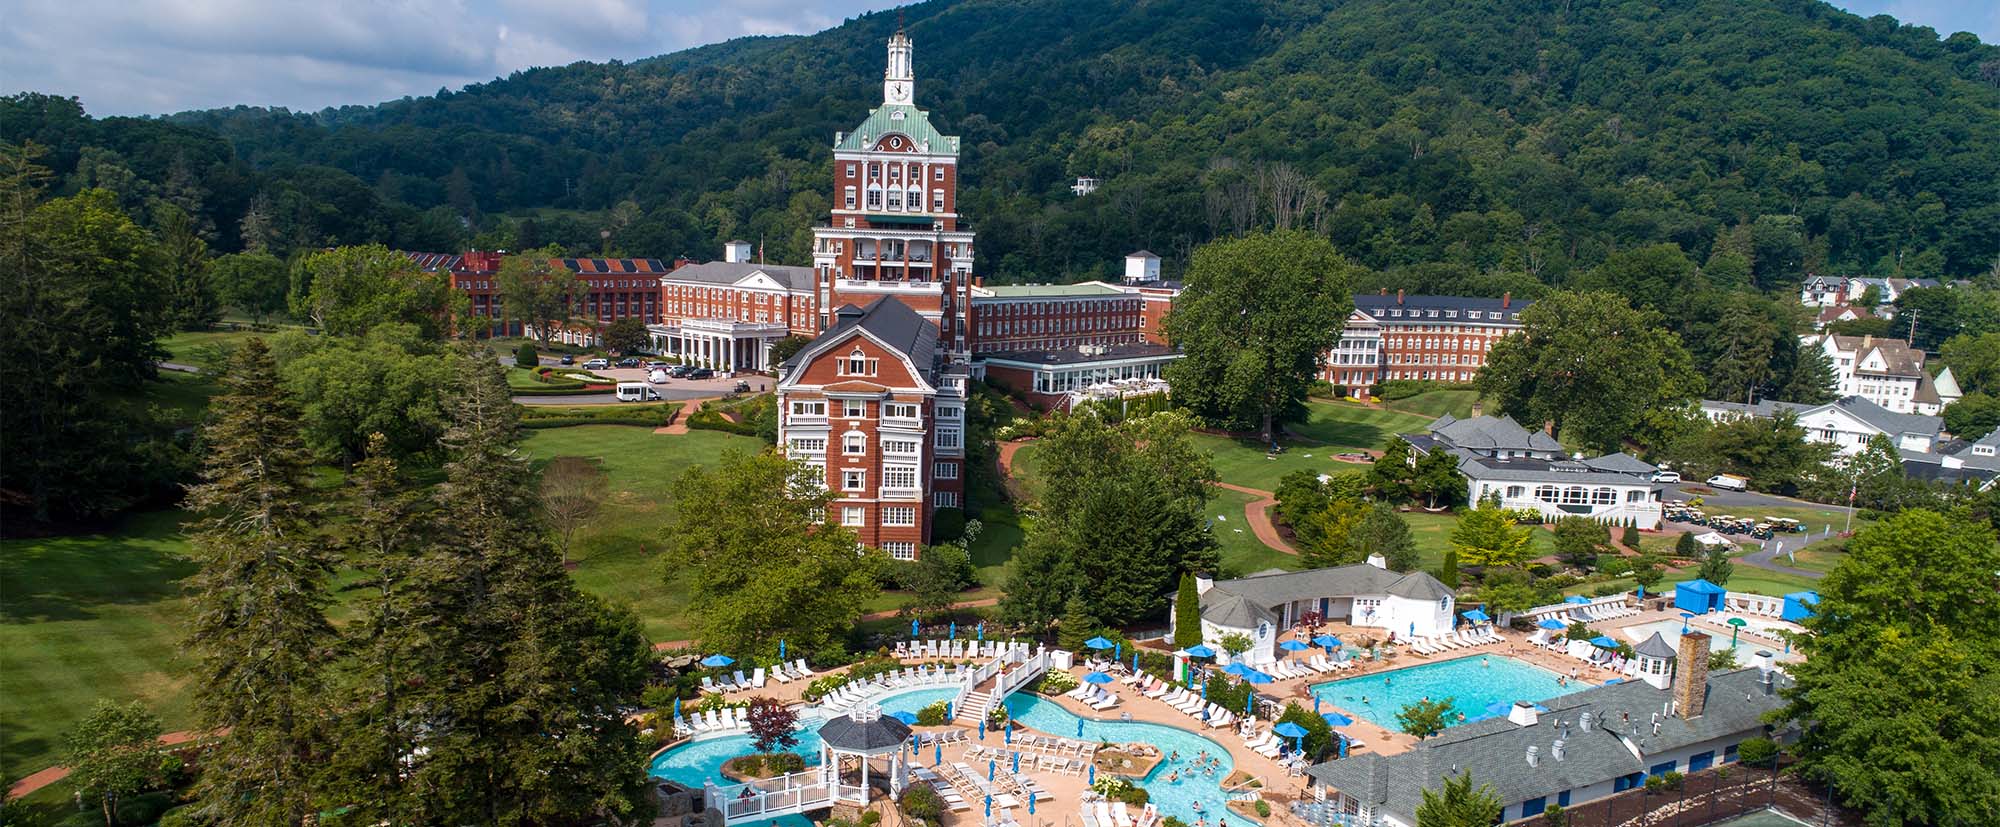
[[1495, 750], [886, 319], [1265, 590], [1234, 610], [1561, 471], [730, 272], [1621, 462], [1489, 433], [883, 732], [1655, 647]]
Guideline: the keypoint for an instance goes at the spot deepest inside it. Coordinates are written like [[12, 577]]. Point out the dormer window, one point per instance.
[[1983, 450], [857, 363]]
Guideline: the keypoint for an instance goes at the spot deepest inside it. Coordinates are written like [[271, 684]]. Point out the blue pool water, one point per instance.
[[1469, 685], [1174, 798], [701, 759]]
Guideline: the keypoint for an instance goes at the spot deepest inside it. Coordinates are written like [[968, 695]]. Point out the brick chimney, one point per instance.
[[1385, 292], [1399, 295], [1506, 299], [1691, 674]]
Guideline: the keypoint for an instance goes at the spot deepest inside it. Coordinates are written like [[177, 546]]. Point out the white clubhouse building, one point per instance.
[[1528, 470], [1263, 605]]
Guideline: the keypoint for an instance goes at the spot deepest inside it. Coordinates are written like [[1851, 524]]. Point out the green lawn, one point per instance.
[[1347, 425], [617, 555], [86, 617], [1434, 404], [1242, 553]]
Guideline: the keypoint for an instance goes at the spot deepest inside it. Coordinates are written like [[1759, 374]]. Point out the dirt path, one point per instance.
[[51, 775], [688, 408], [1258, 512]]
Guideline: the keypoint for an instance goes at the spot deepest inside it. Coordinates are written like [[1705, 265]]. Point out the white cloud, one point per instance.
[[156, 56]]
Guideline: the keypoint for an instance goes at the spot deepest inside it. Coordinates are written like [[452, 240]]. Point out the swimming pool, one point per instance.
[[1175, 798], [1717, 641], [1471, 683], [701, 759]]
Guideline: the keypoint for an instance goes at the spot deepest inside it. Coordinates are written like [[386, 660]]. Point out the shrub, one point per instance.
[[144, 809], [525, 356], [182, 816], [1262, 807], [1673, 779], [1757, 751], [1058, 681], [1120, 789], [932, 715], [1655, 783], [1630, 538], [1606, 590], [782, 763], [870, 818], [920, 801]]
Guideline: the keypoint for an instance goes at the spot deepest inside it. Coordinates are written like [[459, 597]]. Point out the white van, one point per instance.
[[636, 392], [1729, 482]]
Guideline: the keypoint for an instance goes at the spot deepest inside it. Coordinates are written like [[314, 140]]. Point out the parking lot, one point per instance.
[[674, 388]]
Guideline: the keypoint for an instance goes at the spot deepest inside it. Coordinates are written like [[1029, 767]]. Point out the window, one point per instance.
[[813, 408], [853, 409], [852, 444], [945, 499], [857, 364], [937, 200], [945, 470], [899, 515], [853, 479], [937, 173], [899, 476], [901, 550], [809, 445], [850, 170], [851, 516], [947, 412], [848, 198], [900, 446], [947, 439], [899, 410]]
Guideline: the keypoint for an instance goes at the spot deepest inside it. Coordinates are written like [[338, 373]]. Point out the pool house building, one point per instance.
[[1364, 594], [1573, 748], [1528, 470]]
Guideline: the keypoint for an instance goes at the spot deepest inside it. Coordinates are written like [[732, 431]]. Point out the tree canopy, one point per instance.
[[1589, 365]]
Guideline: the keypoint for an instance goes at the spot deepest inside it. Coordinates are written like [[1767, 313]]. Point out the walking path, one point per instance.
[[1257, 512], [680, 425]]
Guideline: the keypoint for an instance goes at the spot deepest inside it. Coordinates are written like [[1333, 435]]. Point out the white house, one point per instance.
[[1675, 717], [1887, 372], [1262, 606], [1824, 291], [1846, 423], [1527, 470]]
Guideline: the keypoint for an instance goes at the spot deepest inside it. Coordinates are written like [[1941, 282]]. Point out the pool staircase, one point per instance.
[[991, 683], [800, 792]]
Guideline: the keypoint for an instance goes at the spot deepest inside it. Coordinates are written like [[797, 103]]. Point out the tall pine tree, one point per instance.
[[260, 632]]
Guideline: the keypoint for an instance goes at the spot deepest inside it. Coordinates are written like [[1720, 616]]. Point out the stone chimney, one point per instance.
[[1506, 300], [1691, 674]]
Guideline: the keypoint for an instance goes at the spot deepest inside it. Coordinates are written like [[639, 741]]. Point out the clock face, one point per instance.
[[899, 92]]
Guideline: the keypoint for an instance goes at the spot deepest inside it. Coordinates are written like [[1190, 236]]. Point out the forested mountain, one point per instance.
[[1480, 143]]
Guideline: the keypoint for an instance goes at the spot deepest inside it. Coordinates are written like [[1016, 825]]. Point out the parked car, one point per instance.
[[567, 359], [701, 373], [743, 387], [1729, 482], [597, 364], [656, 376], [1666, 476], [680, 371], [629, 362]]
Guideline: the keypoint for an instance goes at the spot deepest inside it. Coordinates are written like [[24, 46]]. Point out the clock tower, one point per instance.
[[894, 229], [898, 82]]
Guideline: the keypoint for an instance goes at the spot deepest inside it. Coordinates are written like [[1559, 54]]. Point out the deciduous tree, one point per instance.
[[1424, 718], [750, 543], [1580, 539], [572, 492], [114, 752], [626, 336], [346, 291], [1590, 365], [1972, 416], [773, 725], [253, 283], [538, 291], [1256, 315], [1486, 536], [1715, 566]]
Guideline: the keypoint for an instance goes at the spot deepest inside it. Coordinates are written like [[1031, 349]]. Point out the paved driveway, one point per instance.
[[673, 390]]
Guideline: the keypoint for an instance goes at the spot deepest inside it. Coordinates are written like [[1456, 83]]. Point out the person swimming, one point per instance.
[[1485, 662], [1176, 756]]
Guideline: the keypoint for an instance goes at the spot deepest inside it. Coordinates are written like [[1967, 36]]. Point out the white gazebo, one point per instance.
[[860, 736], [863, 735]]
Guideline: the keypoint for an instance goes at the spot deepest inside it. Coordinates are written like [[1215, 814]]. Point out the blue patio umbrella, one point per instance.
[[1200, 650], [915, 627], [954, 630], [989, 769], [1008, 733], [1250, 703], [1238, 669], [1295, 646], [1576, 598], [714, 661], [1336, 719], [1343, 745], [1093, 774], [982, 729], [1293, 731], [1476, 616], [1551, 623], [1327, 641], [1254, 676], [1603, 642], [1135, 659], [947, 710], [914, 738], [1099, 677], [1614, 680], [1079, 727], [905, 717], [989, 806], [1017, 762], [1685, 617], [1099, 642], [781, 649], [982, 630], [1031, 804], [937, 753], [1413, 628]]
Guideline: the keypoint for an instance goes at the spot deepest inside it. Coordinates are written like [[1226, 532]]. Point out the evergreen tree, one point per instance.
[[1459, 804], [191, 297], [1687, 547], [1077, 625], [389, 527], [259, 632], [1448, 571], [524, 675], [1383, 531], [1187, 614], [1715, 566], [1813, 381]]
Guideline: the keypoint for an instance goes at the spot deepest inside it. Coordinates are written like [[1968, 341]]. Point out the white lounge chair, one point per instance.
[[799, 668], [757, 678], [708, 684]]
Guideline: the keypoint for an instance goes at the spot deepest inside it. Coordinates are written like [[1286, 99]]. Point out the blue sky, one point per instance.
[[156, 56]]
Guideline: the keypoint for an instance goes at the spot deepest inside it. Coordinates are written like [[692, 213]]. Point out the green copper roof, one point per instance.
[[900, 118]]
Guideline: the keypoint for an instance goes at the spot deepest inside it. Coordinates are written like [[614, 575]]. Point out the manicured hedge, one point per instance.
[[647, 416]]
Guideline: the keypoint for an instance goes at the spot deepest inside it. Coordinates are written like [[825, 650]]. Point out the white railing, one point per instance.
[[1013, 653], [798, 792]]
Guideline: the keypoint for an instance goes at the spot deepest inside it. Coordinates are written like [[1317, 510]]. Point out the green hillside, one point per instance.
[[1498, 143]]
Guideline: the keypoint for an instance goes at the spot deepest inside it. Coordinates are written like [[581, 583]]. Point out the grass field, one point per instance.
[[86, 617], [1242, 552], [1434, 404]]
